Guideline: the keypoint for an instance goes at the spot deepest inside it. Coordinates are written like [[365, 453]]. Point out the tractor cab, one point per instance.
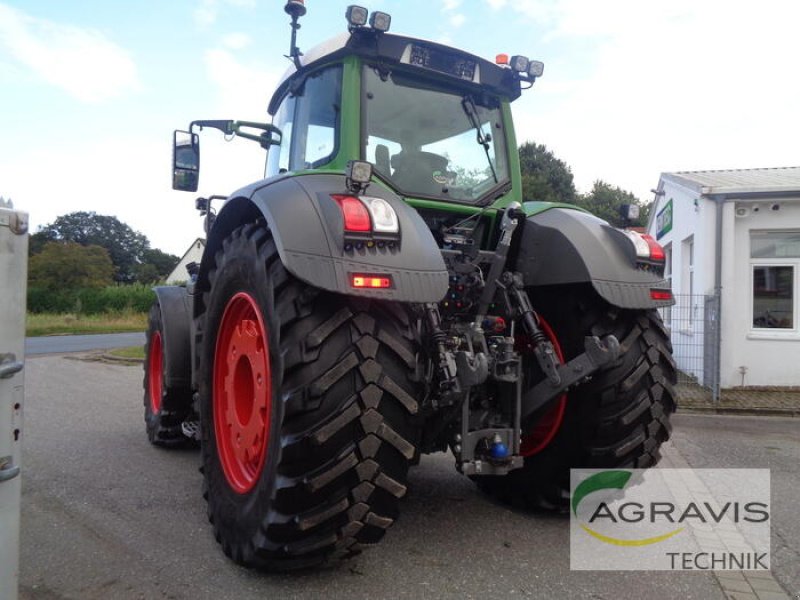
[[433, 122]]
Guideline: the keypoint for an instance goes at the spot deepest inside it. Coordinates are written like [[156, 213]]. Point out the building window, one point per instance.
[[775, 258], [773, 298]]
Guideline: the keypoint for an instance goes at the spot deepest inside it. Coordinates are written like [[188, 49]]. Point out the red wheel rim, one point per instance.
[[154, 379], [242, 393], [547, 426]]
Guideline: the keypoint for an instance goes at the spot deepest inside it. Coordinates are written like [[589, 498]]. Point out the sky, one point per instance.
[[91, 91]]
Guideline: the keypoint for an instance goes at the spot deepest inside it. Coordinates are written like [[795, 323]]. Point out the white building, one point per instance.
[[193, 254], [733, 235]]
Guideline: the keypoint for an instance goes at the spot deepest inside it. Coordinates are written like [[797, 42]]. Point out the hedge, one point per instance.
[[112, 299]]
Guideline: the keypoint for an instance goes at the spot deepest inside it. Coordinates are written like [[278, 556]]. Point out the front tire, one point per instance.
[[165, 407], [617, 420], [307, 409]]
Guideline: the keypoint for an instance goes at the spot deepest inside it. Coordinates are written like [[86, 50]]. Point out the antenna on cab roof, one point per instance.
[[295, 9]]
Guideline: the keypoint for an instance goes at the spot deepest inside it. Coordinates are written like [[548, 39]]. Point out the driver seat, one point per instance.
[[415, 171]]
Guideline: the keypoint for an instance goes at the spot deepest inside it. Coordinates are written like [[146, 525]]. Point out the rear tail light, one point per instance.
[[363, 280], [661, 294], [384, 219], [646, 247], [367, 215], [656, 251], [355, 214], [639, 244]]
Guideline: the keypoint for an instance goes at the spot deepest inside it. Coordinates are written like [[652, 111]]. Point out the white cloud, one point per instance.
[[243, 91], [207, 12], [496, 4], [236, 41], [682, 85], [457, 20], [83, 62], [81, 179], [242, 87]]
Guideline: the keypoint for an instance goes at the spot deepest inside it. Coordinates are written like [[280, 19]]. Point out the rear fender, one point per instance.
[[563, 246], [176, 318], [307, 226]]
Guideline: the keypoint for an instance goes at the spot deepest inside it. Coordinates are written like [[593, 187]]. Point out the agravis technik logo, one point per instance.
[[670, 519], [613, 480]]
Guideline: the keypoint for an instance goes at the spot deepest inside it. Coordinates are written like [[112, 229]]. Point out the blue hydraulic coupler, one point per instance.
[[499, 450]]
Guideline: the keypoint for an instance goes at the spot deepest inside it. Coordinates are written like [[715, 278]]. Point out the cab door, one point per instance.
[[13, 279]]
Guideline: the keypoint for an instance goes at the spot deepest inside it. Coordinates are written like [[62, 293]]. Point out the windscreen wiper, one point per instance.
[[484, 139]]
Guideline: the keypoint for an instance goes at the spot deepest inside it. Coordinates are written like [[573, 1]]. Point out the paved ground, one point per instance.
[[105, 515], [741, 401], [712, 441]]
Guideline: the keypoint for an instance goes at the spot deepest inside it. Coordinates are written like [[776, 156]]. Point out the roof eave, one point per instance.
[[762, 191]]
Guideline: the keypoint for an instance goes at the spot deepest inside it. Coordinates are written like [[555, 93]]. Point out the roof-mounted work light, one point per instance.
[[520, 64], [356, 16], [380, 21], [535, 68]]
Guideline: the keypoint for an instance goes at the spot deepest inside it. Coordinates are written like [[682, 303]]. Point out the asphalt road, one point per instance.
[[106, 515], [53, 344]]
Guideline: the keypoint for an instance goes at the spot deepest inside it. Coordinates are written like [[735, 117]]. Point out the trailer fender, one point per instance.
[[308, 230], [565, 246], [176, 317]]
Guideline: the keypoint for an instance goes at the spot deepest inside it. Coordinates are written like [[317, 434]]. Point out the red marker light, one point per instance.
[[656, 251], [502, 59], [355, 214], [376, 282], [661, 294]]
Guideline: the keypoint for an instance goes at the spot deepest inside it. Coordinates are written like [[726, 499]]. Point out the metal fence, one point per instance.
[[693, 323]]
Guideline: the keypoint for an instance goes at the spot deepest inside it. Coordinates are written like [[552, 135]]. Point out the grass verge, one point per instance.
[[131, 352], [71, 324]]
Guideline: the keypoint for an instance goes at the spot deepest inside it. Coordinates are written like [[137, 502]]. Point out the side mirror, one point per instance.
[[185, 161]]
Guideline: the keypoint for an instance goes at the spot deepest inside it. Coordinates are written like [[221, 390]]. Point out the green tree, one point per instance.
[[70, 266], [605, 200], [162, 263], [545, 177], [125, 246], [146, 273]]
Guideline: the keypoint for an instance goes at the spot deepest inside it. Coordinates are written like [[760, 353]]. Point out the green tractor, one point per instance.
[[385, 292]]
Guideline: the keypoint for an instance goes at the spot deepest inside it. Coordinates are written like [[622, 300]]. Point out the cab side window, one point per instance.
[[309, 119]]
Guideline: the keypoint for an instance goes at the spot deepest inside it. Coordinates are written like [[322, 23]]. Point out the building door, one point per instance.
[[13, 277]]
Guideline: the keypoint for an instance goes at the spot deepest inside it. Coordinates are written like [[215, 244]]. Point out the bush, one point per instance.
[[111, 299], [42, 300], [70, 266]]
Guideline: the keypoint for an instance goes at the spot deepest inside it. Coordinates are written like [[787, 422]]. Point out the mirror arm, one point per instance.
[[264, 138], [226, 127], [235, 128]]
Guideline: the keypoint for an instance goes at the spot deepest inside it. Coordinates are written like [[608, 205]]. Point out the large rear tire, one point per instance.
[[165, 407], [619, 419], [307, 410]]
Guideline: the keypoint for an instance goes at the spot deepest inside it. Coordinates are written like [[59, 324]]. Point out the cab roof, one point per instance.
[[431, 59]]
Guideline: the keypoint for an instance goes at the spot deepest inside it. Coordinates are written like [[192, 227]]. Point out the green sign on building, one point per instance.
[[664, 220]]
